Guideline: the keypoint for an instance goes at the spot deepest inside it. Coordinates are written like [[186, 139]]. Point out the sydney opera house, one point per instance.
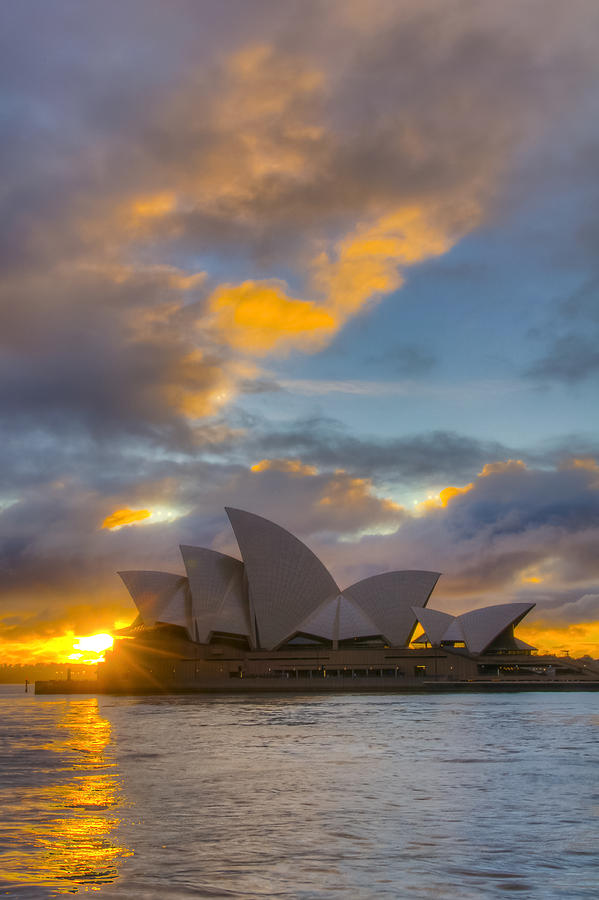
[[276, 620]]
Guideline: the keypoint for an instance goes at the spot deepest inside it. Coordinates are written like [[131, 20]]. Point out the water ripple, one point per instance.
[[360, 797]]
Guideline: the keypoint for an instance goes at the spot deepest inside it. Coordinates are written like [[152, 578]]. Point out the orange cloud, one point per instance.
[[497, 468], [153, 205], [584, 463], [366, 262], [343, 491], [199, 386], [581, 639], [269, 135], [268, 110], [269, 104], [258, 317], [264, 119], [442, 499], [122, 517], [293, 466], [447, 494]]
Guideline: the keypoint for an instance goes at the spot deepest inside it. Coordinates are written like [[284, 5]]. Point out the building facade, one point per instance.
[[276, 620]]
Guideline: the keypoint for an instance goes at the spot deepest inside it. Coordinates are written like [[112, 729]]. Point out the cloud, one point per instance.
[[584, 609], [258, 317], [285, 153], [570, 359], [436, 456], [511, 532], [574, 639], [488, 539], [233, 183], [365, 264], [271, 186], [122, 517], [294, 466]]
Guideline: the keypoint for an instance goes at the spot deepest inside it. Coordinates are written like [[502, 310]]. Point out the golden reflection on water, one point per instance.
[[72, 833]]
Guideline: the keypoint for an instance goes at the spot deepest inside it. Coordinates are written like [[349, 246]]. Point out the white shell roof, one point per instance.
[[481, 626], [434, 622], [477, 628], [322, 622], [522, 645], [454, 631], [338, 618], [388, 600], [286, 579], [353, 621], [160, 597], [291, 591], [218, 600]]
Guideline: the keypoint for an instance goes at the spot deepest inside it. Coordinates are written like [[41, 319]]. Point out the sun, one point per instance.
[[90, 649], [96, 642]]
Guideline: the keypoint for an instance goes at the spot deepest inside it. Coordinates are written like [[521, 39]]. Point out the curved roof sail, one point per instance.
[[353, 621], [159, 597], [434, 622], [481, 626], [338, 618], [218, 601], [522, 645], [286, 579], [454, 632], [388, 600]]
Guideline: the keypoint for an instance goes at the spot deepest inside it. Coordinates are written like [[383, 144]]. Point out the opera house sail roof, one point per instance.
[[477, 630], [280, 595]]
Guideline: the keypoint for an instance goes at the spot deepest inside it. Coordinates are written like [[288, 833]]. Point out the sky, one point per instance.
[[331, 261]]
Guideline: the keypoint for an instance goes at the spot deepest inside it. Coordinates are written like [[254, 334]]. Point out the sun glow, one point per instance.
[[90, 649], [96, 642], [74, 835], [576, 639]]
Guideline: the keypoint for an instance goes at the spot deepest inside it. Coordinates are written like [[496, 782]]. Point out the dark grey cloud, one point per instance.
[[514, 524], [570, 359], [437, 456]]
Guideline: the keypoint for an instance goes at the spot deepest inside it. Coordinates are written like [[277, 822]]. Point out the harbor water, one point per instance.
[[353, 796]]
